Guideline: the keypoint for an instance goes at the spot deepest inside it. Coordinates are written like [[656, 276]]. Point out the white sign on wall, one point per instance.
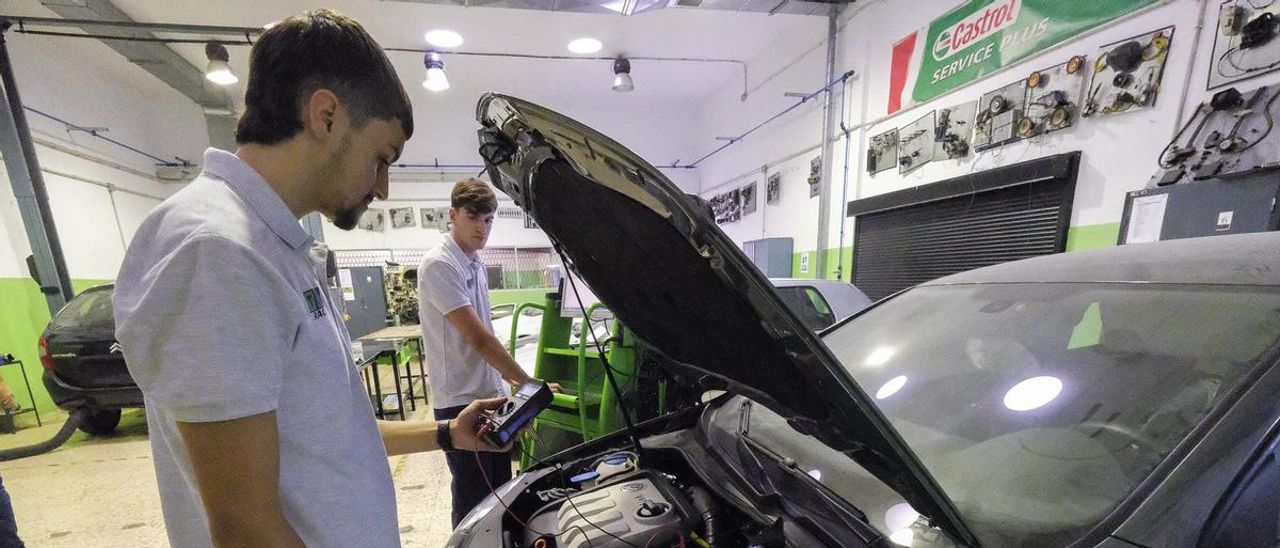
[[804, 263]]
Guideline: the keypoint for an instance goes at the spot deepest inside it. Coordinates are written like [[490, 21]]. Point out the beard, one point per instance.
[[347, 217]]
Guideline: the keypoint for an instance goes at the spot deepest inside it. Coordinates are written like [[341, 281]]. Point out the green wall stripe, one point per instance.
[[23, 317]]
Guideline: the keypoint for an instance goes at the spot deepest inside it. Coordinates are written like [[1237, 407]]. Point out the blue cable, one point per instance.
[[734, 140], [94, 133]]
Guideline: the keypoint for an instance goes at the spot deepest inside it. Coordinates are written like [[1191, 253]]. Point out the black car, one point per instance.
[[1120, 398], [83, 364]]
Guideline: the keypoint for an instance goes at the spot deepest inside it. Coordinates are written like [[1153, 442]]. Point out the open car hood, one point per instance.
[[656, 258]]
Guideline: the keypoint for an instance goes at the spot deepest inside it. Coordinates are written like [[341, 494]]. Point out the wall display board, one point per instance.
[[727, 207], [953, 130], [1127, 74], [774, 193], [815, 176], [915, 144], [997, 122], [748, 197], [435, 217], [882, 153], [1245, 44], [1053, 98], [374, 219], [402, 217], [1230, 135]]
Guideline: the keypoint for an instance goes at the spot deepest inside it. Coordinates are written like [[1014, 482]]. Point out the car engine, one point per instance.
[[614, 504]]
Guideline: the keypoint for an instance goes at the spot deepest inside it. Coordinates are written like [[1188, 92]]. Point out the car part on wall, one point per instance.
[[1245, 44], [883, 152], [915, 144], [1053, 98], [953, 130], [997, 123], [1231, 134], [1127, 74]]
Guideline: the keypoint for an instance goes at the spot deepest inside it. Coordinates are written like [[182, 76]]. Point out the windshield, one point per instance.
[[1039, 407]]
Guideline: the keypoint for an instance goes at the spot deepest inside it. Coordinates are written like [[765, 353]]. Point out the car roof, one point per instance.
[[1241, 259]]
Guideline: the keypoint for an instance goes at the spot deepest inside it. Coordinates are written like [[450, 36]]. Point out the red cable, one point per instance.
[[494, 492]]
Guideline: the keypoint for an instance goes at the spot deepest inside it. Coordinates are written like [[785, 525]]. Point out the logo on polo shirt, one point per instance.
[[314, 305]]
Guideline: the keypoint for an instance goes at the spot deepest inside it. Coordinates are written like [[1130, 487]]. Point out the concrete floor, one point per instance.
[[101, 492]]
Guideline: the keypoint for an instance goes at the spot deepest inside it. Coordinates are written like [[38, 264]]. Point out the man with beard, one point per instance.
[[261, 431]]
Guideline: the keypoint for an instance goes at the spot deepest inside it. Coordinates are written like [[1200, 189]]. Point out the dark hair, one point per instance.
[[474, 196], [319, 49]]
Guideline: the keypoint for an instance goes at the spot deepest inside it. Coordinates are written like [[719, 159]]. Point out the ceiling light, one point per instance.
[[902, 537], [585, 45], [218, 71], [269, 25], [441, 38], [622, 76], [436, 80], [1032, 393]]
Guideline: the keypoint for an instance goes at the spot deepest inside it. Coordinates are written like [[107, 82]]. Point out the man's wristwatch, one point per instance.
[[444, 438]]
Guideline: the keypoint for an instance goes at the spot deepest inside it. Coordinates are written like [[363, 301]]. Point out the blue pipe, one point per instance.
[[94, 133], [733, 140]]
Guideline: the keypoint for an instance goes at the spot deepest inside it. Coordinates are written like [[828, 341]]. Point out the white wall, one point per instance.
[[420, 194], [1119, 152], [86, 83]]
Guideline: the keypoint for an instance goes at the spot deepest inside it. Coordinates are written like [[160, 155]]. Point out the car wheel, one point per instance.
[[101, 422]]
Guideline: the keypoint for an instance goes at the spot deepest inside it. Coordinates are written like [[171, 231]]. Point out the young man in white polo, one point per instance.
[[261, 431], [465, 361]]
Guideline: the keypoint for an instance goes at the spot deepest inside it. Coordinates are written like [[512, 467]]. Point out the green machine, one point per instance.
[[588, 406]]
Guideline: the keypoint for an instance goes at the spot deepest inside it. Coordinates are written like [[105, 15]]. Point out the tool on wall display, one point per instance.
[[1126, 74], [997, 120], [774, 193], [402, 217], [1245, 43], [726, 206], [952, 131], [915, 144], [374, 219], [1053, 98], [882, 153], [815, 176], [1230, 135], [748, 196]]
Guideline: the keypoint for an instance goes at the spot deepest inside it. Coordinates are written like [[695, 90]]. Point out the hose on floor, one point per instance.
[[73, 421]]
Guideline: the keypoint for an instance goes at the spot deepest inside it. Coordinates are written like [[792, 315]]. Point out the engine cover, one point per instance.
[[629, 512]]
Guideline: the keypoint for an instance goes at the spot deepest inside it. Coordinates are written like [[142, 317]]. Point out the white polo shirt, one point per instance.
[[449, 280], [222, 313]]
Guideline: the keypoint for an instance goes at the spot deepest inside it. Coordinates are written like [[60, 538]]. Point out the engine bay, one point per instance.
[[613, 500]]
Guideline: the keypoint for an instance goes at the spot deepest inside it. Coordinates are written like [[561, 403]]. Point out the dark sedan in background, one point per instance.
[[83, 364]]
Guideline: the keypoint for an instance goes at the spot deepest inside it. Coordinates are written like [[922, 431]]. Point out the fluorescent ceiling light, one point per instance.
[[585, 45], [442, 38]]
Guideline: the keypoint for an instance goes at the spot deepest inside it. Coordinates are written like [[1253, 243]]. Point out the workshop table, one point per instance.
[[406, 344]]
